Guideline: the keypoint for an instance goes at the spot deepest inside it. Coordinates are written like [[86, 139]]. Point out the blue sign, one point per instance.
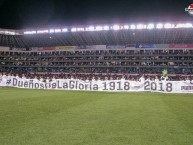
[[145, 46]]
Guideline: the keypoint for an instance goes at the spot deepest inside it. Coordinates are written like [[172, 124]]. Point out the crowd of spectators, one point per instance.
[[99, 52], [100, 64], [95, 76]]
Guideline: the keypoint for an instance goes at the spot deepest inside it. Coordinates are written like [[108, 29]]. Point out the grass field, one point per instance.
[[38, 117]]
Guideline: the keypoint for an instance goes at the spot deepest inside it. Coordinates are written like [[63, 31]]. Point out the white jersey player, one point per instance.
[[4, 79], [142, 79], [23, 76], [41, 79], [156, 79], [123, 78], [188, 80], [93, 79]]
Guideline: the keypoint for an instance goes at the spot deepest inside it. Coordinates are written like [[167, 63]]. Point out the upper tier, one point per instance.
[[159, 33]]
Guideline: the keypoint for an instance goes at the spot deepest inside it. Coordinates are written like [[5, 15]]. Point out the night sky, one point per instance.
[[19, 14]]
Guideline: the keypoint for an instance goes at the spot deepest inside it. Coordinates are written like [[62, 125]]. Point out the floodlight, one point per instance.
[[34, 32], [187, 25], [80, 29], [116, 27], [150, 26], [38, 32], [51, 30], [64, 30], [91, 28], [133, 27], [73, 30], [9, 32], [126, 27], [106, 28], [42, 31], [57, 30], [180, 26], [140, 26], [159, 26], [168, 25], [99, 28], [30, 32]]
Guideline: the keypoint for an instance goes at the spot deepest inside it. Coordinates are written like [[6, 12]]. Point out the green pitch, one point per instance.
[[38, 117]]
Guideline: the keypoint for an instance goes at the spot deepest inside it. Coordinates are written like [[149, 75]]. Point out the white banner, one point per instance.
[[110, 85]]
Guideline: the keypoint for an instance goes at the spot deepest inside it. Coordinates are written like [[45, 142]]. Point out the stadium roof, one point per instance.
[[116, 34]]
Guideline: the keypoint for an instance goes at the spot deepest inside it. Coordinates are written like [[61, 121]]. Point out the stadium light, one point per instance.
[[113, 27], [57, 30], [116, 27], [42, 31], [51, 31], [150, 26], [99, 28], [80, 29], [106, 28], [133, 27], [180, 26], [168, 26], [126, 27], [91, 28], [73, 30], [30, 32], [187, 25], [64, 30], [159, 26], [140, 26]]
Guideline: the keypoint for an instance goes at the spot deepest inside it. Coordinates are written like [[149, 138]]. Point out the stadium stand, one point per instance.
[[114, 53], [87, 63]]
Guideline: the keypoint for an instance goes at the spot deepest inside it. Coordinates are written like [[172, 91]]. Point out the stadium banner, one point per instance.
[[152, 46], [115, 46], [110, 85], [33, 49], [90, 47], [17, 49], [96, 47], [145, 46], [64, 48], [46, 48], [2, 48], [181, 46], [80, 47]]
